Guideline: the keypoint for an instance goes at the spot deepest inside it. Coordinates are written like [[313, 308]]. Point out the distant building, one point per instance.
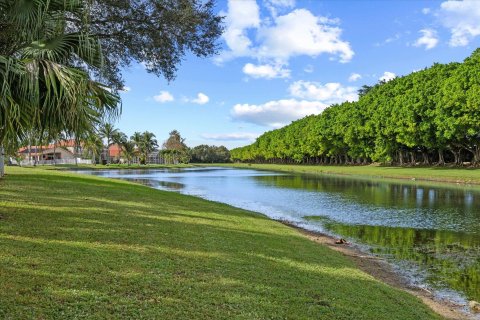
[[112, 153], [63, 150]]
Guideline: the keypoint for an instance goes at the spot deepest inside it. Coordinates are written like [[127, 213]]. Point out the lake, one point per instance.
[[430, 233]]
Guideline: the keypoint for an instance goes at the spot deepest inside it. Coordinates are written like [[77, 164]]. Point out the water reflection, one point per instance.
[[451, 259], [173, 186], [400, 204], [379, 192]]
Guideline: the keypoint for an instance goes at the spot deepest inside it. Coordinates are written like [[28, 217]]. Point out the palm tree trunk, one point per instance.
[[54, 153], [41, 154], [29, 152], [108, 150], [2, 161]]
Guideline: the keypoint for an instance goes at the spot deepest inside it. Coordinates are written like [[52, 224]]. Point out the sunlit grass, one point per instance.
[[76, 246]]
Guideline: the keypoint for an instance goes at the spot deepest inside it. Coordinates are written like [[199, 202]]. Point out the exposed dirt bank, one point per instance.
[[383, 271]]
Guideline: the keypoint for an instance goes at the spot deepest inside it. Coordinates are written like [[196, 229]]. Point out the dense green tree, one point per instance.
[[156, 33], [210, 154], [429, 116], [174, 148]]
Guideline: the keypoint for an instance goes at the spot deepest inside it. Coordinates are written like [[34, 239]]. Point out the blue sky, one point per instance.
[[284, 59]]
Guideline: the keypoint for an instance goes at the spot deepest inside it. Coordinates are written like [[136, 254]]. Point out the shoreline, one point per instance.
[[242, 251], [382, 271], [377, 267], [376, 173]]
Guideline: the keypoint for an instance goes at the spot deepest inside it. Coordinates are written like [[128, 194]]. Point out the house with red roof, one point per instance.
[[62, 150]]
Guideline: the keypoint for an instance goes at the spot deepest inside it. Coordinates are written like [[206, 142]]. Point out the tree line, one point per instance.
[[430, 117], [140, 146]]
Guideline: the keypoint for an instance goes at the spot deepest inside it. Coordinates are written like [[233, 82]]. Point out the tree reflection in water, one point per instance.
[[451, 259]]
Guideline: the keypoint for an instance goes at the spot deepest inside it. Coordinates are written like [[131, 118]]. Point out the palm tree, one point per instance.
[[119, 137], [93, 146], [137, 138], [42, 84], [128, 149], [108, 131], [57, 140], [148, 144]]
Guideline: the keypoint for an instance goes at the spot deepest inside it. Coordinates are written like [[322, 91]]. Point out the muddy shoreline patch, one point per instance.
[[381, 270]]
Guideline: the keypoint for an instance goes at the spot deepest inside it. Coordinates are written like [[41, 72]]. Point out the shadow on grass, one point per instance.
[[151, 254]]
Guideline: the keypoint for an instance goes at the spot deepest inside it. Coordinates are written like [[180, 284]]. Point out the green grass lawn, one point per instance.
[[438, 174], [74, 246]]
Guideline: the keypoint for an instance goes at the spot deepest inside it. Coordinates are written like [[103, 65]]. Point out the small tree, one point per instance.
[[176, 147]]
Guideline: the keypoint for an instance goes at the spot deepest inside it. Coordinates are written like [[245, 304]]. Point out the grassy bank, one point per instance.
[[74, 246], [438, 174]]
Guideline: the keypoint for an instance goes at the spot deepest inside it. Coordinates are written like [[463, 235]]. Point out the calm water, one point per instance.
[[431, 233]]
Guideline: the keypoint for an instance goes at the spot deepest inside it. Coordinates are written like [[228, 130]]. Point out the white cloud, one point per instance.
[[426, 10], [329, 93], [394, 38], [266, 71], [163, 97], [354, 77], [276, 113], [387, 76], [235, 136], [302, 33], [463, 20], [241, 16], [276, 39], [126, 89], [429, 39], [308, 98], [201, 98]]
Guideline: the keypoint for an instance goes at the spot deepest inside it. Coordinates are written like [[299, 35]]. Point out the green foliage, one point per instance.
[[210, 154], [145, 144], [128, 150], [431, 116], [92, 146], [42, 86], [157, 33], [175, 150]]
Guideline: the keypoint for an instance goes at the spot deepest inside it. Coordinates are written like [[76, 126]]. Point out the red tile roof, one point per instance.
[[63, 143]]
